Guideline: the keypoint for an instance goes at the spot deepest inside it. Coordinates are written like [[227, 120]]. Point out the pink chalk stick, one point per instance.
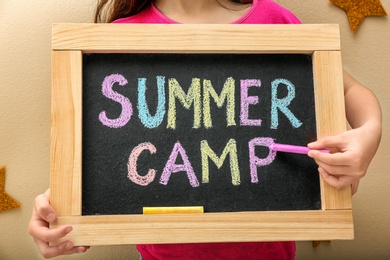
[[293, 149]]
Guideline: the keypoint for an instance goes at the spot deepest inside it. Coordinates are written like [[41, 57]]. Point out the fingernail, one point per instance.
[[68, 229], [68, 246], [82, 249]]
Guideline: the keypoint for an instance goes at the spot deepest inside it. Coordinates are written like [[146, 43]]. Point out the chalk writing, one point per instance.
[[248, 100], [282, 104], [144, 114], [206, 154], [132, 165], [227, 94], [127, 109], [172, 167], [257, 162], [194, 98], [196, 129]]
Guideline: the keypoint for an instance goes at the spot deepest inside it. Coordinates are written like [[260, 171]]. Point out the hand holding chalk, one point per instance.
[[293, 149]]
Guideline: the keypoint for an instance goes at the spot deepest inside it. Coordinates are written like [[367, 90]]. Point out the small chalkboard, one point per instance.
[[202, 124], [151, 116]]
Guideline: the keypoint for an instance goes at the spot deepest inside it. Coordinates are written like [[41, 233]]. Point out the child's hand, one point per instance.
[[354, 150], [42, 215]]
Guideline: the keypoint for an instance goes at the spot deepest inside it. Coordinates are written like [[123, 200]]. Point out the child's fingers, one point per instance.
[[65, 248], [38, 228], [48, 235], [52, 251], [328, 142], [334, 159], [334, 181], [336, 171], [335, 165], [43, 208], [355, 186]]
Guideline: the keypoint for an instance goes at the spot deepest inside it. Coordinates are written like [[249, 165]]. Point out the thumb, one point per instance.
[[326, 142]]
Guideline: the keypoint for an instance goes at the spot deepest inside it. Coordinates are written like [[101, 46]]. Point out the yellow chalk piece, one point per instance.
[[172, 210], [6, 201]]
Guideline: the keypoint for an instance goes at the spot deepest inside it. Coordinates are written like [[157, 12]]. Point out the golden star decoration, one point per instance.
[[6, 201], [357, 10]]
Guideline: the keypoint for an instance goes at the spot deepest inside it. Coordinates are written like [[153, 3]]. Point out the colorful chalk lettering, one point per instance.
[[174, 129], [207, 152], [198, 96], [172, 167], [227, 94], [282, 103], [256, 162], [193, 98], [127, 109], [246, 101], [148, 120], [132, 165]]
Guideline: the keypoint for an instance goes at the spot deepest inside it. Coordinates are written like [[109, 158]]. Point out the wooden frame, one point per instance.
[[69, 41]]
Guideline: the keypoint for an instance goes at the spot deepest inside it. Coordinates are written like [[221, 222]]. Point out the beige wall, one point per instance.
[[25, 121]]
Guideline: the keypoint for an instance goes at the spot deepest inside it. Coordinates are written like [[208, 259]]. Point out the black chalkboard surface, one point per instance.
[[135, 120]]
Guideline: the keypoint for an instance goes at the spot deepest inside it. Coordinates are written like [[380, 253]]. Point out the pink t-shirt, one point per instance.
[[261, 12]]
